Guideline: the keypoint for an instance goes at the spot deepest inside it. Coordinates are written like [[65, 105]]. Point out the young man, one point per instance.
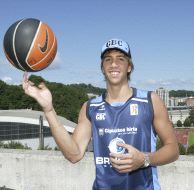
[[123, 124]]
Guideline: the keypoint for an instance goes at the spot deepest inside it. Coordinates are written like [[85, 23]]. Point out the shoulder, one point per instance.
[[143, 94], [158, 105], [140, 93], [92, 104], [96, 101], [156, 99]]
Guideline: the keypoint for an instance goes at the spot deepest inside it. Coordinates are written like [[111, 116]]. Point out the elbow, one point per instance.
[[176, 153], [175, 157], [73, 158]]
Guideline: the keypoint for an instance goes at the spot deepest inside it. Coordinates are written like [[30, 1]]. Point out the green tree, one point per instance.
[[190, 150], [179, 123], [36, 79], [182, 149], [3, 86], [67, 99], [181, 93], [187, 122], [191, 116]]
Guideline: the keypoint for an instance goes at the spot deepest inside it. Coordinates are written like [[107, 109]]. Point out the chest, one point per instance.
[[128, 115]]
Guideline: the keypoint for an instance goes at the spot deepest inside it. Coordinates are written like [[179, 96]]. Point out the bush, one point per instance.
[[158, 144], [190, 150], [187, 122], [1, 144], [182, 149], [179, 123], [15, 145]]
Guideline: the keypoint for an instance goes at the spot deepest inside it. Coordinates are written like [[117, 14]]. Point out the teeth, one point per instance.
[[114, 73]]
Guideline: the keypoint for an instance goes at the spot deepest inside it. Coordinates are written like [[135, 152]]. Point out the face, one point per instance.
[[115, 66]]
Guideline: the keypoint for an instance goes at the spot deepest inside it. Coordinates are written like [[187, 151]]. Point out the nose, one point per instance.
[[114, 63]]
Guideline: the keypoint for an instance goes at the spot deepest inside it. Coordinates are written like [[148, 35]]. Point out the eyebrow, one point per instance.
[[116, 56]]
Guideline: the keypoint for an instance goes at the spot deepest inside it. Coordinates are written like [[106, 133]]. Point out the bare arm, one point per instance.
[[72, 146], [169, 152]]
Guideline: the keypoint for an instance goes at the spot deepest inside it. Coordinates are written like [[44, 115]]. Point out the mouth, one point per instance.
[[114, 73]]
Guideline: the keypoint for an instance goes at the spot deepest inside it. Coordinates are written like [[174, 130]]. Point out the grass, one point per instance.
[[191, 138]]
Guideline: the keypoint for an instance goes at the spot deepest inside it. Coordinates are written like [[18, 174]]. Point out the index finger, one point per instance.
[[124, 145], [25, 76]]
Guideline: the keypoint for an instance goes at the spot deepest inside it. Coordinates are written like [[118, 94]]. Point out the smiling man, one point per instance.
[[124, 124]]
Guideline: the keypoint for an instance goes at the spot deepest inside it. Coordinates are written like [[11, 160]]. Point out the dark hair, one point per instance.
[[128, 58]]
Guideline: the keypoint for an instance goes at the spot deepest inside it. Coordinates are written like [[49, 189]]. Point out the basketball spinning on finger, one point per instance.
[[30, 45]]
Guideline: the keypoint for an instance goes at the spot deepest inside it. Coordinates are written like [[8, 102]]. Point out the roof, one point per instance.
[[32, 117]]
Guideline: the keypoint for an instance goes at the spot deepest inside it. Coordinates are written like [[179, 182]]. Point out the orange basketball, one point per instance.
[[30, 45]]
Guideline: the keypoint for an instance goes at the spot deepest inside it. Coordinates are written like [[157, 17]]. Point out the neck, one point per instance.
[[118, 93]]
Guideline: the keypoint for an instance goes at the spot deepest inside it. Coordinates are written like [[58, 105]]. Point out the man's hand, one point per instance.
[[129, 161], [41, 93]]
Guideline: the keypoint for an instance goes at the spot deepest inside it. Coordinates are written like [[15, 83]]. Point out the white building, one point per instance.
[[164, 95], [24, 126]]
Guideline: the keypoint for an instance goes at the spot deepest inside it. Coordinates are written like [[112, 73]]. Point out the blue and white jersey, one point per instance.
[[131, 123]]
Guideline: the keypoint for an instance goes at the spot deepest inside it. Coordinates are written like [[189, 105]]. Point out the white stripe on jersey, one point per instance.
[[97, 104], [139, 100]]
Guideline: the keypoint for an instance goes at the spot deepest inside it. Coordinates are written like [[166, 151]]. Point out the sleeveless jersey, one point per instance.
[[130, 123]]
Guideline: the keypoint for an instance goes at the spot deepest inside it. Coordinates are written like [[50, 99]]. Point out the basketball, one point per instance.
[[30, 45]]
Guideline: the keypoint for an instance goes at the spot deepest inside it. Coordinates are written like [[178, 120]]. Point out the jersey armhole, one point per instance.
[[87, 109], [151, 109], [151, 103]]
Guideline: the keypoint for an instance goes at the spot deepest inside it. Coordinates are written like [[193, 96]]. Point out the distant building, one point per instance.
[[24, 126], [91, 95], [190, 101], [178, 114], [164, 95], [177, 101]]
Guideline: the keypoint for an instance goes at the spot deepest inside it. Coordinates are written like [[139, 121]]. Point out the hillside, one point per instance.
[[67, 99]]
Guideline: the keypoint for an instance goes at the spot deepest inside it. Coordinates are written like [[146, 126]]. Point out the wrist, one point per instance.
[[146, 162], [48, 111]]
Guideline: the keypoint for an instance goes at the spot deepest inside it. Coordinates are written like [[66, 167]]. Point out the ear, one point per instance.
[[129, 68]]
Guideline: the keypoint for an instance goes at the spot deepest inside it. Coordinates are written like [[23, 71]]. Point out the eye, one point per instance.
[[107, 60], [121, 59]]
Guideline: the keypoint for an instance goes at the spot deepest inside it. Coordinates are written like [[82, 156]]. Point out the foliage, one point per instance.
[[36, 79], [191, 116], [179, 123], [90, 89], [191, 138], [187, 122], [182, 149], [67, 99], [56, 148], [181, 93], [1, 144], [14, 145], [190, 150], [158, 144]]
